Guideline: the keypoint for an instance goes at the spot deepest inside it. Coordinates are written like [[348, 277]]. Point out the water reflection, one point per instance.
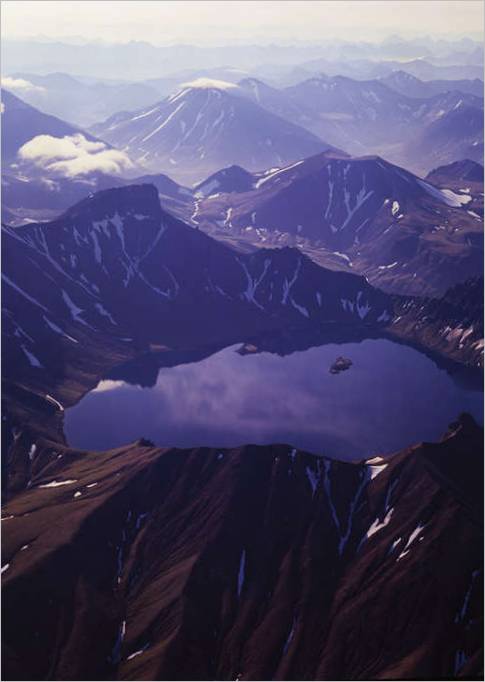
[[391, 397]]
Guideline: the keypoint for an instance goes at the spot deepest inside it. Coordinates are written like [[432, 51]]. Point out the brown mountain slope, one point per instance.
[[252, 563]]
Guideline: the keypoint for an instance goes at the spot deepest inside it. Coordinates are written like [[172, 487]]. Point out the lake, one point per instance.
[[391, 397]]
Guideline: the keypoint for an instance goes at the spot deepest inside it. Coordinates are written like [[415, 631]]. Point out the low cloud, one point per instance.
[[73, 155], [20, 85]]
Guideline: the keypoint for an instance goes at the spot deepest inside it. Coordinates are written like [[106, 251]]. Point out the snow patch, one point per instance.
[[410, 541], [445, 196], [54, 402], [57, 484], [376, 469], [31, 358]]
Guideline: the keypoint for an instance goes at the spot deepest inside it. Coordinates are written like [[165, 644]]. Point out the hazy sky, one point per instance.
[[202, 22]]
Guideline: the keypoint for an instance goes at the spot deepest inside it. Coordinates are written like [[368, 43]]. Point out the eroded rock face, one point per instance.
[[251, 563]]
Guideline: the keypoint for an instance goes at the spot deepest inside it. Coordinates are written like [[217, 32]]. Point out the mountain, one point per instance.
[[136, 59], [256, 562], [205, 126], [122, 266], [369, 117], [454, 322], [277, 100], [226, 180], [427, 71], [39, 199], [48, 165], [52, 154], [167, 85], [21, 123], [360, 214], [455, 135], [72, 99], [357, 113], [117, 275], [365, 69], [457, 172], [410, 86], [261, 562], [33, 196]]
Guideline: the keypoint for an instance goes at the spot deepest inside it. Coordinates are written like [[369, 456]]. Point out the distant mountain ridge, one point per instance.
[[371, 117], [21, 123], [407, 84], [204, 126]]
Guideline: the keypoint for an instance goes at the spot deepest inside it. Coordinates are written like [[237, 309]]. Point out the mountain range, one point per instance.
[[116, 274], [372, 117], [254, 274], [21, 123], [198, 129], [410, 86], [359, 214], [442, 125], [78, 100], [425, 57], [182, 573]]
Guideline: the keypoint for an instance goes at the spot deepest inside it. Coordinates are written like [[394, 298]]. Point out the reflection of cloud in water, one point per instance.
[[391, 397], [107, 385]]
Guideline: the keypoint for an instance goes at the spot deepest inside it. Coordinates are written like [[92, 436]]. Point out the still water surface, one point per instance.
[[391, 397]]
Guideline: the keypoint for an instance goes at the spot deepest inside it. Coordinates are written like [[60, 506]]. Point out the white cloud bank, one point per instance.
[[20, 85], [73, 155]]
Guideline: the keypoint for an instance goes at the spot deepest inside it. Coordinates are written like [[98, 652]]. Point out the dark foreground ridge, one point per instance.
[[251, 563]]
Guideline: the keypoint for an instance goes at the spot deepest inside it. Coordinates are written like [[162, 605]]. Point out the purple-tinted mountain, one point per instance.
[[453, 322], [83, 103], [21, 122], [457, 172], [227, 180], [153, 563], [369, 117], [41, 197], [365, 69], [410, 86], [255, 563], [116, 276], [118, 264], [206, 126], [456, 133], [361, 214]]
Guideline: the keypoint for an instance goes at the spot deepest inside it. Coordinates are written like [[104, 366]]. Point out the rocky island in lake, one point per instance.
[[340, 365]]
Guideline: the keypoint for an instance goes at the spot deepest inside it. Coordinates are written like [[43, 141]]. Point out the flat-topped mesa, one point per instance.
[[136, 200]]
